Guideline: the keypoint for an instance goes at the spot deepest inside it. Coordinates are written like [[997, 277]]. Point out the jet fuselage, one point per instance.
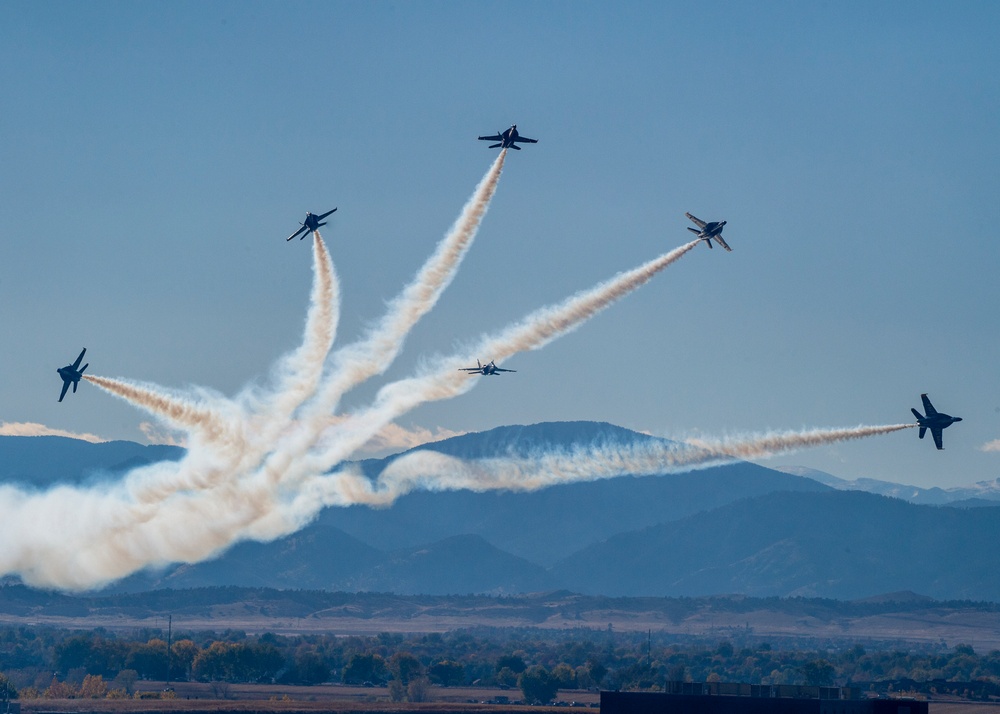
[[72, 374], [934, 420], [712, 229]]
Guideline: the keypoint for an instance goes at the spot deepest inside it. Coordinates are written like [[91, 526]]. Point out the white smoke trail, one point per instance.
[[376, 351], [225, 441], [373, 354], [533, 332], [186, 512], [189, 510], [112, 533], [299, 373], [433, 471], [780, 442], [74, 538], [179, 412], [213, 417]]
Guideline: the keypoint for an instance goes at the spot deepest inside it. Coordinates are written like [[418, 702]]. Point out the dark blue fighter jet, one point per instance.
[[487, 370], [311, 223], [935, 421], [709, 231], [72, 373], [508, 139]]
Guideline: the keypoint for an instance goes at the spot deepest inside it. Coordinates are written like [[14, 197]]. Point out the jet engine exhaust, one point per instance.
[[177, 412], [771, 444]]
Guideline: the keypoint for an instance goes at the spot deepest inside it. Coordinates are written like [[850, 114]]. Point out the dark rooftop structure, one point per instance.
[[726, 698]]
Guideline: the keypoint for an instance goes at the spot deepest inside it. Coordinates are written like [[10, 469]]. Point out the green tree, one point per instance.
[[363, 668], [515, 663], [7, 688], [256, 662], [125, 680], [818, 673], [149, 660], [405, 667], [597, 671], [213, 663], [310, 667], [564, 675], [506, 677], [91, 652], [537, 685], [182, 654], [447, 673]]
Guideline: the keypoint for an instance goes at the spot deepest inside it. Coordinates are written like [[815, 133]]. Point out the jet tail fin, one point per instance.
[[923, 430], [494, 146], [693, 230], [84, 369], [918, 415]]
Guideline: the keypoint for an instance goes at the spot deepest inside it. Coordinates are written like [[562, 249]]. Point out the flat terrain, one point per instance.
[[933, 624], [191, 697], [245, 699]]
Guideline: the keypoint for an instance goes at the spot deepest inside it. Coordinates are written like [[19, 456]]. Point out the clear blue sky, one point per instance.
[[154, 156]]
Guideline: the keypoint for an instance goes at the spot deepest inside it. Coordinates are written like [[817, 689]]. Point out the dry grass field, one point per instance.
[[249, 699], [929, 625], [193, 697]]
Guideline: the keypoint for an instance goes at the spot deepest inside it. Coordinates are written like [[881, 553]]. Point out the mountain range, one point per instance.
[[738, 528]]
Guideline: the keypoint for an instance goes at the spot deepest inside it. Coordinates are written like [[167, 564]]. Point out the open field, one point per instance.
[[251, 699], [192, 697], [930, 625]]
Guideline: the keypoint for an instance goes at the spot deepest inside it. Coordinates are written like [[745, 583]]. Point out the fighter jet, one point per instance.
[[507, 139], [935, 421], [72, 373], [487, 370], [312, 222], [708, 231]]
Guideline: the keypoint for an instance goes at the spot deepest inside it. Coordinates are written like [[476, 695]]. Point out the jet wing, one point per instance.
[[721, 242], [697, 221], [64, 389], [498, 369], [526, 140], [300, 230], [76, 365], [936, 433], [320, 218], [492, 137], [929, 409]]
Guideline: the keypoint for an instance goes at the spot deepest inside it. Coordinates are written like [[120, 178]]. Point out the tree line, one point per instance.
[[40, 661]]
